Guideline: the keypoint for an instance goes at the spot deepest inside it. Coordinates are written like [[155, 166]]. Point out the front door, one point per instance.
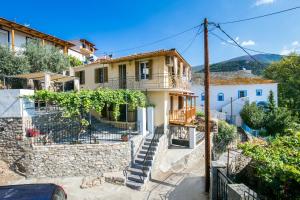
[[122, 76]]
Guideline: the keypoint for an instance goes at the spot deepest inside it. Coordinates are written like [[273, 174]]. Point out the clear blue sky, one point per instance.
[[121, 24]]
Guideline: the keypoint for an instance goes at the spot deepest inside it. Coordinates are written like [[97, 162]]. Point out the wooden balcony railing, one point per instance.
[[156, 81], [182, 116]]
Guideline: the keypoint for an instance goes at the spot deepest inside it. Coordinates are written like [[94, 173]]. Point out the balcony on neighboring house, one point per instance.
[[153, 82], [185, 111]]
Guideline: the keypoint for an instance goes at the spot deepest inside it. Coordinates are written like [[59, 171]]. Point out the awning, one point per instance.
[[54, 77]]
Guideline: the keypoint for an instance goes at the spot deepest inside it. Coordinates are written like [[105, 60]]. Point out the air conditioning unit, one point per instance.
[[169, 60]]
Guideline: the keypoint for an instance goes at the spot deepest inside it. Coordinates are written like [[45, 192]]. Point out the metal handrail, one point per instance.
[[155, 138]]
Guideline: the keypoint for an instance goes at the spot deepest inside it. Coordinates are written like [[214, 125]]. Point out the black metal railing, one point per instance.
[[52, 129], [155, 81], [159, 131], [222, 185]]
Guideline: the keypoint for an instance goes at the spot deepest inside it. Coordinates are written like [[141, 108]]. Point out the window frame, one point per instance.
[[8, 35], [245, 93], [202, 96], [259, 92], [142, 75], [220, 94]]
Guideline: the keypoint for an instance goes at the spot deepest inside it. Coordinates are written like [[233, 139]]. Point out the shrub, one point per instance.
[[226, 134], [253, 115], [276, 166], [200, 114]]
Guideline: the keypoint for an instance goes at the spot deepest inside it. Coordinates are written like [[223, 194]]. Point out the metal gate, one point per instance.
[[222, 185]]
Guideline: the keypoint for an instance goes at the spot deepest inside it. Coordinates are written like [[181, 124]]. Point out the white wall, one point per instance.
[[11, 105], [76, 55], [232, 91]]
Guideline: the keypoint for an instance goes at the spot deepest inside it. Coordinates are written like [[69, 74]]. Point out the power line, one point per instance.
[[253, 50], [223, 40], [219, 27], [260, 16], [192, 41], [157, 41]]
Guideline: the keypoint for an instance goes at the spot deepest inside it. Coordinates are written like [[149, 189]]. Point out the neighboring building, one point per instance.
[[163, 75], [229, 93], [16, 36], [83, 50]]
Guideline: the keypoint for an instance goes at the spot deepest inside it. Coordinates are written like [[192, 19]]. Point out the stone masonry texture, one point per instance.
[[60, 160]]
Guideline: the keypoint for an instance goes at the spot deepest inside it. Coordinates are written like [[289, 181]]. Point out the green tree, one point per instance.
[[74, 62], [271, 102], [278, 121], [253, 115], [12, 63], [287, 72], [45, 58]]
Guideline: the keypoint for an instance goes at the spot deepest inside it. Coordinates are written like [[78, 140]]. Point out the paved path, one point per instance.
[[179, 182]]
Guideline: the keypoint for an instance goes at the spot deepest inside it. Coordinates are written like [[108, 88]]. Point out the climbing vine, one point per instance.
[[84, 101]]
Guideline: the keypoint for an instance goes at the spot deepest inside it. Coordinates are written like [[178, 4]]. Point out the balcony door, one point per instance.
[[122, 76]]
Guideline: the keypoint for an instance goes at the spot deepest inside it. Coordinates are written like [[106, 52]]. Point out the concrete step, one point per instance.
[[149, 157], [136, 178], [146, 147], [148, 143], [134, 185], [144, 152], [137, 166], [137, 171], [141, 162]]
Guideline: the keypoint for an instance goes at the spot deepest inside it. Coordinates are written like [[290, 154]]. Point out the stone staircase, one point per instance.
[[139, 172]]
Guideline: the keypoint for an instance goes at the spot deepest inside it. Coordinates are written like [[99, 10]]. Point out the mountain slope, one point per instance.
[[243, 62]]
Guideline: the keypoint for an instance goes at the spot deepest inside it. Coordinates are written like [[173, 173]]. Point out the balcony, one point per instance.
[[185, 111], [182, 116], [155, 82]]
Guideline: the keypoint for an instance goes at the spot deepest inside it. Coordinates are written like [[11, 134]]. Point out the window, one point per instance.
[[30, 40], [242, 93], [180, 102], [101, 75], [4, 37], [202, 97], [144, 70], [221, 97], [259, 92], [81, 76]]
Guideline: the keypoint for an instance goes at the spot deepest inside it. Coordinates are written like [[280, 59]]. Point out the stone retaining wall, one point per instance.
[[61, 160], [77, 160], [12, 147]]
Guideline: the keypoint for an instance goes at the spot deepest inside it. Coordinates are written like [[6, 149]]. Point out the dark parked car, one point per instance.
[[32, 192]]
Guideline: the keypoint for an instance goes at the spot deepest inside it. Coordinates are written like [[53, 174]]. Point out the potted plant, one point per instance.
[[124, 137]]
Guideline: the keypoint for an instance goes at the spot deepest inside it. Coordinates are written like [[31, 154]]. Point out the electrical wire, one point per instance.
[[253, 50], [156, 41], [199, 31], [260, 16], [219, 27]]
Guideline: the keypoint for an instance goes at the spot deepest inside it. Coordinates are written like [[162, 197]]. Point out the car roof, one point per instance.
[[27, 192]]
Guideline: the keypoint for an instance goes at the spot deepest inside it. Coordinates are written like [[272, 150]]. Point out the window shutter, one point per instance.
[[150, 69], [97, 80], [137, 71], [82, 77], [105, 74]]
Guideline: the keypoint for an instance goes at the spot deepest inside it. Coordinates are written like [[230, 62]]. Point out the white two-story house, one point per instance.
[[229, 93], [16, 36]]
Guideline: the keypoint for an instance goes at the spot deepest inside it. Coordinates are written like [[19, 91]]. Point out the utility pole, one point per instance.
[[207, 111]]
